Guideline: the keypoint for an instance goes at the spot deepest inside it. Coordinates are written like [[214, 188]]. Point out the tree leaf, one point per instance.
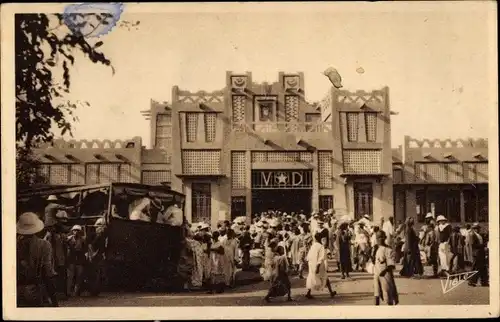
[[36, 85], [98, 44]]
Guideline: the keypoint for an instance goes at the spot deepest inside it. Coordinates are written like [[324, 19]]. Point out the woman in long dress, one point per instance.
[[280, 283], [305, 245], [343, 245], [194, 244], [332, 242], [217, 259], [296, 244], [231, 254], [363, 249], [205, 239], [317, 277], [412, 264], [383, 275], [268, 260]]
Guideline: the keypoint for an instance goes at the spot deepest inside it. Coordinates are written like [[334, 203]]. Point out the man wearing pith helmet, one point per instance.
[[34, 256]]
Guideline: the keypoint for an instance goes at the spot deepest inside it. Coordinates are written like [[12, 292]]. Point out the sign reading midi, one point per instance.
[[281, 179]]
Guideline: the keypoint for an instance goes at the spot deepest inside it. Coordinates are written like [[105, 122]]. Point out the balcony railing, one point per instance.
[[297, 127]]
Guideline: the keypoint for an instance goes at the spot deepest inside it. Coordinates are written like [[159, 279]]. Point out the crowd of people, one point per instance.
[[51, 259], [281, 245]]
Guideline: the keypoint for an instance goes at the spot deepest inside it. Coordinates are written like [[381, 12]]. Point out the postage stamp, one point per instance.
[[92, 19]]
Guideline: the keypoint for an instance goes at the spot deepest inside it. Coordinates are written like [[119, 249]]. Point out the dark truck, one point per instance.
[[137, 254]]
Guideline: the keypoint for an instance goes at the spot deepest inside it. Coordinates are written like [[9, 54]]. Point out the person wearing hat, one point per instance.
[[147, 209], [444, 231], [96, 255], [383, 272], [35, 271], [77, 249], [53, 208], [56, 236], [479, 264]]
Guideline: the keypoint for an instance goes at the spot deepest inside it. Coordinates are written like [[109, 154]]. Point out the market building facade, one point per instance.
[[251, 147]]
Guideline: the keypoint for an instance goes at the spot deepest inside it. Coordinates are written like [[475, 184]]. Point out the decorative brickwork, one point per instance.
[[126, 173], [201, 162], [238, 170], [371, 127], [325, 169], [281, 156], [92, 174], [163, 137], [420, 172], [210, 126], [156, 177], [362, 161], [352, 126], [436, 172], [59, 174], [191, 126], [108, 173], [476, 171], [292, 111], [239, 108]]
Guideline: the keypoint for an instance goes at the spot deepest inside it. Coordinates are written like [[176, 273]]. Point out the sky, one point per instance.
[[436, 60]]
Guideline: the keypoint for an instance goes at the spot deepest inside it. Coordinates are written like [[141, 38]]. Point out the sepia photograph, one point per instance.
[[256, 160]]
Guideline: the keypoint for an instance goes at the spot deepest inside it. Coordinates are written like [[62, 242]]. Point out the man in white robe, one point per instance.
[[317, 277], [314, 223], [388, 229]]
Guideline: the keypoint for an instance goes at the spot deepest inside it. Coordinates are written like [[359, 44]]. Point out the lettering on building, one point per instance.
[[282, 179]]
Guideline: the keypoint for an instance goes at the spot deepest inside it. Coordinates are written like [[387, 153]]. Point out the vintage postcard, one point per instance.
[[249, 160]]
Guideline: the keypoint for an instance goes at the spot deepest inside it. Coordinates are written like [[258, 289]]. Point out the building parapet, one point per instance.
[[361, 97], [412, 143], [183, 96], [92, 144]]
